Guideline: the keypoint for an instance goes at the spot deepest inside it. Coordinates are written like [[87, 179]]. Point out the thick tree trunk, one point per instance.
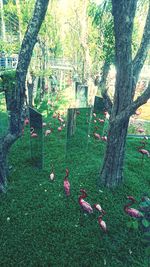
[[123, 105], [18, 94], [112, 170]]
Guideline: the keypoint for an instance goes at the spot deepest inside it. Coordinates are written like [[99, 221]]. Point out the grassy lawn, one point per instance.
[[41, 227]]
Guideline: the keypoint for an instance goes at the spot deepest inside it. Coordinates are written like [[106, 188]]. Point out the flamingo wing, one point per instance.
[[86, 206], [67, 187], [134, 213]]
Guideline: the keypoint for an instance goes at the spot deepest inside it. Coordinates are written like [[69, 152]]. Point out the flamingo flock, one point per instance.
[[84, 205], [87, 208]]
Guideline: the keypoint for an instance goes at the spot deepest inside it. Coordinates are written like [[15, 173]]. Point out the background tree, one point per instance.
[[124, 105], [18, 96]]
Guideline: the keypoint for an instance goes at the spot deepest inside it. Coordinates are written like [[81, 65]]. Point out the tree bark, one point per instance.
[[18, 96], [102, 86], [3, 167], [123, 105], [112, 170]]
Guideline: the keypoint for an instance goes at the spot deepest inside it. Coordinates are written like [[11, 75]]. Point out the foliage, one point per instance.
[[7, 81], [103, 22]]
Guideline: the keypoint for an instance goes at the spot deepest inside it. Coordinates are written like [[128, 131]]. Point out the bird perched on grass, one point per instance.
[[67, 184], [83, 204], [131, 211], [102, 224], [32, 132], [99, 208], [52, 175]]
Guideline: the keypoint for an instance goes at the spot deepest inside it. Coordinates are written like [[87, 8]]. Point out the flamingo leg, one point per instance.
[[81, 219], [142, 161]]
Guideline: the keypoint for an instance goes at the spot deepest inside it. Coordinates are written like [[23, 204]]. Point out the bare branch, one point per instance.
[[141, 100], [143, 49]]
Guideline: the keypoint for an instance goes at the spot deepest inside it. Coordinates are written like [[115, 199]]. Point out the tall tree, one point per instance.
[[124, 105], [17, 103], [2, 19]]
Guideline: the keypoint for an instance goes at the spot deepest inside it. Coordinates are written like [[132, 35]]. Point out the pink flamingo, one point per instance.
[[52, 175], [67, 184], [102, 224], [99, 208], [54, 116], [26, 121], [48, 132], [83, 204], [60, 119], [33, 134], [143, 151], [104, 138], [101, 120], [130, 211], [140, 130], [97, 136], [60, 128]]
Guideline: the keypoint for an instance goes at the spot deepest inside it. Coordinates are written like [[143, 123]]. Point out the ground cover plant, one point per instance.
[[40, 226]]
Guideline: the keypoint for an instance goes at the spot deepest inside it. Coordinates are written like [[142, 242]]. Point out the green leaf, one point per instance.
[[135, 225], [146, 223]]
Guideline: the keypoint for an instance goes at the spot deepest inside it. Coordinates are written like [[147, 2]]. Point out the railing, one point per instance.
[[11, 63], [8, 63]]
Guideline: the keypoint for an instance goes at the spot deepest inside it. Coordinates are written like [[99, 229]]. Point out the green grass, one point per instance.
[[46, 229]]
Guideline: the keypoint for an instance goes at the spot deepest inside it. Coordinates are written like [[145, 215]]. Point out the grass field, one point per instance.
[[41, 227]]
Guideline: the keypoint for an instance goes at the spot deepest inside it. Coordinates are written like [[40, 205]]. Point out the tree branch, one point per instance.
[[30, 38], [143, 49], [141, 100], [130, 110], [107, 101], [102, 86]]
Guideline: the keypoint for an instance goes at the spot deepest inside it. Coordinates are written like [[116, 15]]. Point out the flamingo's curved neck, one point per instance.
[[143, 146], [100, 218], [52, 168], [84, 195], [67, 174], [31, 130], [129, 204]]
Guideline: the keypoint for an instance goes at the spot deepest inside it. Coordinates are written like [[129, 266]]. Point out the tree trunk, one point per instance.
[[123, 105], [3, 168], [18, 94], [112, 170]]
